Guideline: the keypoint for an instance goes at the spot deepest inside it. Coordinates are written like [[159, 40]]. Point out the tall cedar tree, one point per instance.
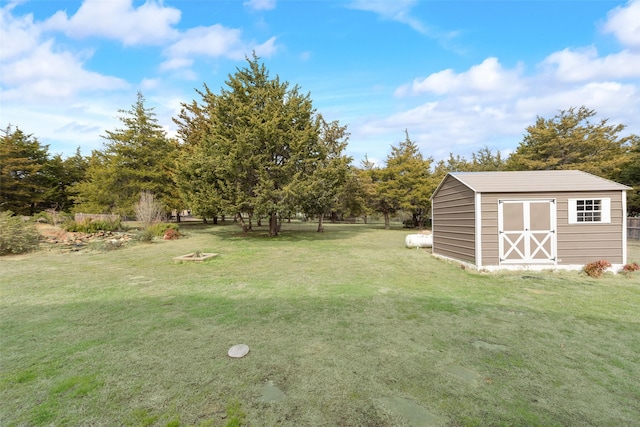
[[137, 157], [322, 174], [571, 141], [353, 197], [412, 185], [63, 175], [368, 176], [250, 141], [483, 160], [23, 179], [197, 170], [404, 183]]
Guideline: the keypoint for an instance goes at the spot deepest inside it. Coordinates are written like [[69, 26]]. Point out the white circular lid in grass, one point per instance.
[[238, 350]]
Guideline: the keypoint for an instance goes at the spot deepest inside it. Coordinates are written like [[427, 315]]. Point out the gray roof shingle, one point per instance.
[[535, 181]]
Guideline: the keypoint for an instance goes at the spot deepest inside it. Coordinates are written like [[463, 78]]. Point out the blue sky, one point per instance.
[[458, 75]]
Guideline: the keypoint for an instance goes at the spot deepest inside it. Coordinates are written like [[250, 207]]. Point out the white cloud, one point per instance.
[[42, 83], [624, 23], [266, 49], [397, 10], [214, 41], [73, 125], [149, 84], [24, 35], [610, 99], [585, 64], [487, 77], [57, 76], [148, 24], [388, 9], [260, 4], [489, 105], [44, 72], [176, 63]]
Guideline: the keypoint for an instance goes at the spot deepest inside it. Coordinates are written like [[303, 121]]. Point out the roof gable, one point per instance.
[[535, 181]]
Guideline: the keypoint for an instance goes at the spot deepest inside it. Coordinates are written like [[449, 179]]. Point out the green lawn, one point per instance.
[[345, 328]]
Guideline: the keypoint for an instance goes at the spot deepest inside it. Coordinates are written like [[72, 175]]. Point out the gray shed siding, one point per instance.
[[577, 244], [453, 221]]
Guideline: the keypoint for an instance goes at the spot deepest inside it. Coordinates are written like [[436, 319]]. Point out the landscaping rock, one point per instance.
[[238, 350], [74, 241]]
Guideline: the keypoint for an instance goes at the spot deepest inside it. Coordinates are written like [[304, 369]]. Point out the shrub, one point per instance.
[[160, 228], [596, 268], [17, 236], [145, 236], [93, 226], [171, 234], [148, 209], [630, 268]]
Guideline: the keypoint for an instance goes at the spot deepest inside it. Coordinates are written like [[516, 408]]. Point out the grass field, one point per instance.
[[345, 328]]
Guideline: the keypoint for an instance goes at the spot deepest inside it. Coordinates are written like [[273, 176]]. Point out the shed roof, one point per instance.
[[535, 181]]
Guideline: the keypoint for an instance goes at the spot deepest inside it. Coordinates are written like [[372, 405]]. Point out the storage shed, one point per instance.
[[529, 220]]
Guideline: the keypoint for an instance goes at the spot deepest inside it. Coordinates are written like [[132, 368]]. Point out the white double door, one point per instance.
[[527, 231]]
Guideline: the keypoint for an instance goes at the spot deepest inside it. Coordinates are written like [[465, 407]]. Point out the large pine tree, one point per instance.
[[570, 140], [139, 157], [323, 174], [244, 146], [23, 179], [403, 184]]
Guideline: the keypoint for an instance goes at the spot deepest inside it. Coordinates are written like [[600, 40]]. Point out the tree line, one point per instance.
[[258, 150]]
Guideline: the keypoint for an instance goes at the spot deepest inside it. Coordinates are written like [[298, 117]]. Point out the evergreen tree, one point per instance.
[[62, 175], [368, 177], [137, 157], [323, 173], [404, 183], [571, 141], [412, 185], [484, 160], [23, 182], [248, 143], [630, 175], [353, 197], [197, 170]]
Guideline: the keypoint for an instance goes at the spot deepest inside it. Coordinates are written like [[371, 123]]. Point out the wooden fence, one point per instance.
[[633, 228]]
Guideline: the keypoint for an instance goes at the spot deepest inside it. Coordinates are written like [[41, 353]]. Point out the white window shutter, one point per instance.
[[606, 210]]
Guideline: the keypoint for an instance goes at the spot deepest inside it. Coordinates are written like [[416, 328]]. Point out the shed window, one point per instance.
[[589, 211]]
